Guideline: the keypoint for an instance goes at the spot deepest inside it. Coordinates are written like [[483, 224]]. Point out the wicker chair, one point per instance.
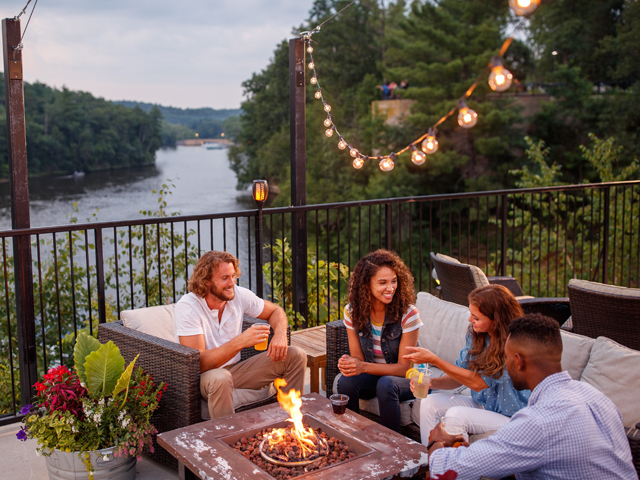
[[176, 365], [599, 310], [457, 280]]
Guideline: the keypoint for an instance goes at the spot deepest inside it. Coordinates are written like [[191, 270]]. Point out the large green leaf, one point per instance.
[[103, 369], [125, 378], [85, 344]]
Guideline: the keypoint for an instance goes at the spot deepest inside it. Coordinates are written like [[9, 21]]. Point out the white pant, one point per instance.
[[478, 419]]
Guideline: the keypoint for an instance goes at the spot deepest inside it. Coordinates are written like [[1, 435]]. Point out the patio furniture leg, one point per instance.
[[185, 474]]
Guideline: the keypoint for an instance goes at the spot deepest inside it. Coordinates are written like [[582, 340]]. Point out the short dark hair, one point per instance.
[[536, 328]]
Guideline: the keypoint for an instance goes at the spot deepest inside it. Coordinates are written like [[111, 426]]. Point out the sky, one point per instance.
[[181, 53]]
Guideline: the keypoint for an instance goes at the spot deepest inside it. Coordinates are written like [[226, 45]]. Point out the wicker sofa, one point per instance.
[[152, 336], [603, 363], [457, 280]]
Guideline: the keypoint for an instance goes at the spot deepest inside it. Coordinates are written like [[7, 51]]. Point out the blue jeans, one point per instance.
[[389, 390]]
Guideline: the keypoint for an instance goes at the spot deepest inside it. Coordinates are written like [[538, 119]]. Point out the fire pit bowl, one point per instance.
[[357, 448]]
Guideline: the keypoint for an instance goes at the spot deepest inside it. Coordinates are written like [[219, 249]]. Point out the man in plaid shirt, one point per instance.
[[569, 430]]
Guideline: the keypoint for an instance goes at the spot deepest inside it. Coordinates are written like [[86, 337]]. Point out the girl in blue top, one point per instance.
[[481, 367]]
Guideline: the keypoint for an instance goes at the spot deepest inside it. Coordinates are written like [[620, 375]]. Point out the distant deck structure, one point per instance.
[[197, 142]]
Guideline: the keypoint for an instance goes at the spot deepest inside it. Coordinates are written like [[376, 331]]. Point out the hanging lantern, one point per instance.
[[318, 95], [467, 118], [310, 49], [500, 78], [311, 65], [386, 164], [430, 144], [328, 132], [314, 80], [353, 152], [358, 163], [417, 156], [342, 144], [524, 7], [327, 107], [327, 122]]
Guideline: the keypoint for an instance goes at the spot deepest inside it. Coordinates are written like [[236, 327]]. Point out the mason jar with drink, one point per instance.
[[421, 377]]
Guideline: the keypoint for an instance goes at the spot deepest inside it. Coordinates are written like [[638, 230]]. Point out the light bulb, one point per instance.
[[353, 152], [500, 79], [386, 164], [327, 108], [430, 144], [310, 49], [318, 95], [418, 157], [358, 163], [327, 123], [328, 132], [467, 118], [314, 80], [524, 7], [311, 65], [342, 144]]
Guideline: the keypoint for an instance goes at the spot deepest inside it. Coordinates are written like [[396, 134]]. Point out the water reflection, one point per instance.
[[204, 183]]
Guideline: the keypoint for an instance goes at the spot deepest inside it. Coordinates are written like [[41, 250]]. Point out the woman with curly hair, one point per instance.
[[382, 323], [481, 367]]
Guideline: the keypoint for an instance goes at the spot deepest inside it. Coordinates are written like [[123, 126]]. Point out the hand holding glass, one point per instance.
[[261, 346], [421, 382]]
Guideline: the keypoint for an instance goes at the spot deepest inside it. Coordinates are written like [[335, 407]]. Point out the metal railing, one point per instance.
[[84, 274]]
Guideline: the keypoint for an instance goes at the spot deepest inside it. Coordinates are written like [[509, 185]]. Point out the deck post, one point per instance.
[[297, 100], [20, 217]]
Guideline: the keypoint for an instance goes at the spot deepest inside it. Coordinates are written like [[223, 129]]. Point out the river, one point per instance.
[[203, 181]]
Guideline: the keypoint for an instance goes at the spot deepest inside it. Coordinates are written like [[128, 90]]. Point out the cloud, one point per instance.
[[185, 53]]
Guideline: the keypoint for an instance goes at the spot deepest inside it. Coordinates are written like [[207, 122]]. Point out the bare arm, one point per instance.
[[461, 376], [355, 364], [217, 357], [277, 318]]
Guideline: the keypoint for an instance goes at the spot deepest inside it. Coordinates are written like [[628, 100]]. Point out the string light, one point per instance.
[[524, 7], [467, 118], [430, 144], [386, 164], [500, 78], [417, 156]]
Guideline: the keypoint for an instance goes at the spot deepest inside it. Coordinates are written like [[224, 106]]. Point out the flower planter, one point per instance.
[[68, 466]]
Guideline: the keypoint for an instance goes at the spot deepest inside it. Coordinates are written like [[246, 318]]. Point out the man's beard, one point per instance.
[[220, 294]]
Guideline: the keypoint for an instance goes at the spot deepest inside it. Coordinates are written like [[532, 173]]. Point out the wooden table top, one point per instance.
[[312, 340], [200, 448]]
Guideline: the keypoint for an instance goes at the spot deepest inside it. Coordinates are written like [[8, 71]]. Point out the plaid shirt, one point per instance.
[[569, 431]]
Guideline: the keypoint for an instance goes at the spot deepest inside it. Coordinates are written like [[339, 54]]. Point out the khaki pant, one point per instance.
[[217, 384]]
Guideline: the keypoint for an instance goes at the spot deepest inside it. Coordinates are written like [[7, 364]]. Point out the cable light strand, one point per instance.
[[500, 79]]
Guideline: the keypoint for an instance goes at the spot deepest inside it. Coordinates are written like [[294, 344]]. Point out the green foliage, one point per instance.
[[322, 283], [85, 345], [124, 380], [74, 131], [548, 174], [604, 157], [103, 368]]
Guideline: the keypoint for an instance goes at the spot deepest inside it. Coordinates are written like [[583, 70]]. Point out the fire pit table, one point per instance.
[[206, 449]]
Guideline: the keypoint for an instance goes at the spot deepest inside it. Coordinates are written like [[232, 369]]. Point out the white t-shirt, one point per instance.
[[193, 316]]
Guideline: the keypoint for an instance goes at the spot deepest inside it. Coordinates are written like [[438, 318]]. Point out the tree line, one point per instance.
[[70, 131], [582, 54]]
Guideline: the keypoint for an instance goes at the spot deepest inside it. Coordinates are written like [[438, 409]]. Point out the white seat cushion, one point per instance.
[[575, 353], [444, 328], [156, 321], [604, 288], [615, 370], [241, 398]]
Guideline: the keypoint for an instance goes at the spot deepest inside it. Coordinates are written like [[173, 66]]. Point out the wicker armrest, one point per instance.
[[176, 365], [509, 282], [337, 345], [557, 308], [633, 435]]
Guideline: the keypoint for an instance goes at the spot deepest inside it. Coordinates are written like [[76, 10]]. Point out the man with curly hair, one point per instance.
[[209, 319], [568, 430]]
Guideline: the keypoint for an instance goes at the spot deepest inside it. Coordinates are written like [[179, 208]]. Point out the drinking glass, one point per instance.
[[339, 403], [421, 388], [262, 345], [454, 426]]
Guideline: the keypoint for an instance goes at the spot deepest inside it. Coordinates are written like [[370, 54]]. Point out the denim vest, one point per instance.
[[389, 341]]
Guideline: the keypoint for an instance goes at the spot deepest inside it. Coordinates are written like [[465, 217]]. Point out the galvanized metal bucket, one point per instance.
[[68, 466]]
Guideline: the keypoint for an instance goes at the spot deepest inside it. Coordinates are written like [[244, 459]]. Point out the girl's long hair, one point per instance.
[[359, 295], [499, 304]]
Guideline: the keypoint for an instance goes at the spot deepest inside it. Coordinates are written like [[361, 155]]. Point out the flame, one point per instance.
[[291, 402]]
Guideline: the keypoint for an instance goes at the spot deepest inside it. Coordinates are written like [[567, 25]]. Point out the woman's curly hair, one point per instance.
[[499, 304], [359, 296], [206, 267]]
